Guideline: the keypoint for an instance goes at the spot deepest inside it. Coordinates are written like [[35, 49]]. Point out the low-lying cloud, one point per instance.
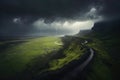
[[61, 28]]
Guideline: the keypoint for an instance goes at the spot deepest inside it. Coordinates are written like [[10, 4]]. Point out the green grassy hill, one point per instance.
[[15, 58], [29, 58], [106, 41]]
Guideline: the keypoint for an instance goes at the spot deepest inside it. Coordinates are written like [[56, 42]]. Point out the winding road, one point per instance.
[[75, 72], [57, 43]]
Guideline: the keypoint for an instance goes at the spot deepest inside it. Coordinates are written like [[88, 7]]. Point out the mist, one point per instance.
[[58, 28]]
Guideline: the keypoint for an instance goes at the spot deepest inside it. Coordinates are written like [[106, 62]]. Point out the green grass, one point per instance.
[[99, 69], [107, 57], [73, 52], [15, 58], [58, 59], [38, 55]]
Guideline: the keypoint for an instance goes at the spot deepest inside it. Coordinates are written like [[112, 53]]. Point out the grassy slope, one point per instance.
[[15, 58], [106, 63], [99, 69], [72, 52], [37, 55]]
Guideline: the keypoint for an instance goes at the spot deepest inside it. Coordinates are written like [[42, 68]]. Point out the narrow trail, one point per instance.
[[57, 43]]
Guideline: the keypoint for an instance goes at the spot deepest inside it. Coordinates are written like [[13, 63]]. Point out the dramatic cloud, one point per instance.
[[61, 28], [22, 17], [59, 8], [47, 9]]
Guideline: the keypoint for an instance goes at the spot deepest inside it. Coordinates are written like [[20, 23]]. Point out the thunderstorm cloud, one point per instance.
[[60, 17]]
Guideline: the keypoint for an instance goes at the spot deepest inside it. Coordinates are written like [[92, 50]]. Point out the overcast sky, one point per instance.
[[61, 17]]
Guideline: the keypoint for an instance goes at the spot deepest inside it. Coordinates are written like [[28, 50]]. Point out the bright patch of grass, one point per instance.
[[73, 52], [15, 58]]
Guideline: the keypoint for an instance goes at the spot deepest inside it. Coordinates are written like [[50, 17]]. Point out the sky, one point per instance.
[[53, 17]]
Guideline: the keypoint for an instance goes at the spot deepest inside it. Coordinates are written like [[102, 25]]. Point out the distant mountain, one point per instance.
[[83, 32]]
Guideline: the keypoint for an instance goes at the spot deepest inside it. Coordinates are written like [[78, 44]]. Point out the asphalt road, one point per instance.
[[75, 72]]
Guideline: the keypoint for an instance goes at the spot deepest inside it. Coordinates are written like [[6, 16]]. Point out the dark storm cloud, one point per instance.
[[110, 8], [16, 16], [45, 8], [58, 8]]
